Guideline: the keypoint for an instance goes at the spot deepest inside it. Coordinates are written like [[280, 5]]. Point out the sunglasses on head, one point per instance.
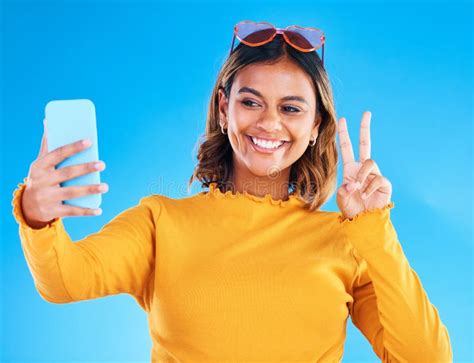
[[255, 34]]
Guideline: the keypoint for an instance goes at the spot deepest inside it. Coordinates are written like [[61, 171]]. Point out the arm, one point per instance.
[[390, 306], [117, 259]]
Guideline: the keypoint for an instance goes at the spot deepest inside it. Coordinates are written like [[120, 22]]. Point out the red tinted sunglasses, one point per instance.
[[255, 34]]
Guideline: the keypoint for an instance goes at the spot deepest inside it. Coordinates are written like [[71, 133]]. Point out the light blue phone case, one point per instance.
[[69, 121]]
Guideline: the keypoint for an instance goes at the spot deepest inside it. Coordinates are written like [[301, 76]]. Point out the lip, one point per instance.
[[266, 139], [263, 150]]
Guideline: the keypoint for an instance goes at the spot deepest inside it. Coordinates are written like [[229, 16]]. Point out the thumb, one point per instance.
[[44, 141], [347, 189]]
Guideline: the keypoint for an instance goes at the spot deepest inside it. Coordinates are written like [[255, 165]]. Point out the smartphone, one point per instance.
[[69, 121]]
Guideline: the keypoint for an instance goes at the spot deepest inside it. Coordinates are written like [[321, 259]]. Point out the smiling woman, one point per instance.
[[271, 126]]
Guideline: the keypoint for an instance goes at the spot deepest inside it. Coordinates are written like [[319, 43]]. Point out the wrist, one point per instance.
[[31, 222]]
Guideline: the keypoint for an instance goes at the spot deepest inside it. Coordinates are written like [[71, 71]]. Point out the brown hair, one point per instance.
[[313, 175]]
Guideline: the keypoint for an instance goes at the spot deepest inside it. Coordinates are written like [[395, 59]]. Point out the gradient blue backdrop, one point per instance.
[[149, 67]]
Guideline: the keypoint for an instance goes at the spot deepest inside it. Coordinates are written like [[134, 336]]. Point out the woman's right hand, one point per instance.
[[42, 198]]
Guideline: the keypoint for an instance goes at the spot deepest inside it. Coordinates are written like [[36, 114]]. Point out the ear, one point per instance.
[[223, 106], [317, 122]]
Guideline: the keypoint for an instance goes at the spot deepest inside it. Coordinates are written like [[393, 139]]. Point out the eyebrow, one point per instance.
[[286, 98]]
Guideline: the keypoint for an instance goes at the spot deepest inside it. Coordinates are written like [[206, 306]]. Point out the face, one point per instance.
[[269, 102]]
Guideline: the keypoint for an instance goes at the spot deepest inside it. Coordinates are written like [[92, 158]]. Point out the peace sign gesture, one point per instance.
[[350, 196]]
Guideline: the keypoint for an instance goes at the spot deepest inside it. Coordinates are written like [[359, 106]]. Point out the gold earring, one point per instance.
[[222, 128]]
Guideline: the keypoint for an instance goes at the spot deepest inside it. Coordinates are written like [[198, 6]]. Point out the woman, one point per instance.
[[250, 270]]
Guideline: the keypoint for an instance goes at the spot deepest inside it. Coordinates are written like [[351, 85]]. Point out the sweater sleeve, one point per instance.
[[117, 259], [390, 306]]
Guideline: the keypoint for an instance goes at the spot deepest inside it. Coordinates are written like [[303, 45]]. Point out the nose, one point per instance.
[[270, 122]]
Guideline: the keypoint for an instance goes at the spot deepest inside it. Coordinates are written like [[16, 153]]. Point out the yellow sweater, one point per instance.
[[241, 278]]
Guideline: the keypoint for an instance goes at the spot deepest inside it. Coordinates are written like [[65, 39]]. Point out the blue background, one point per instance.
[[149, 67]]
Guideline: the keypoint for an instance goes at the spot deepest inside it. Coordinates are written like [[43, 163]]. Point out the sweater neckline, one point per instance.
[[267, 199]]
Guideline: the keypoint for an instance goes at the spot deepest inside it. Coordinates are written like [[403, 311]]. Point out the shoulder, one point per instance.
[[164, 203], [319, 224], [327, 225], [328, 218]]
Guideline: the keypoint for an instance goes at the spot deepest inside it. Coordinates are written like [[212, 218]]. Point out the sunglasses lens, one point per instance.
[[254, 33], [305, 38]]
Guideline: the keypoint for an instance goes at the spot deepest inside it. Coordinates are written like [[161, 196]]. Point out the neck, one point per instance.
[[277, 187]]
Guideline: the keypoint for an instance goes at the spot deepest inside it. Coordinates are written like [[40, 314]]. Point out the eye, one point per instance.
[[289, 109], [245, 102], [293, 108]]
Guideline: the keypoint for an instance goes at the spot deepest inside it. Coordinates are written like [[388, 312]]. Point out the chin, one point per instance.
[[262, 170]]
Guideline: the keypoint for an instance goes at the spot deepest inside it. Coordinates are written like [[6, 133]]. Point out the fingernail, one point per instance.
[[350, 186], [103, 187], [364, 195], [98, 212], [86, 142], [358, 185], [99, 165]]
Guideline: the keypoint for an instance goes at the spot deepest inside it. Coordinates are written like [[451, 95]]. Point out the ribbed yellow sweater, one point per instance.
[[230, 277]]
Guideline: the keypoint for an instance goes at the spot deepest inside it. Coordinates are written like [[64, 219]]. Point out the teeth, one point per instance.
[[267, 144]]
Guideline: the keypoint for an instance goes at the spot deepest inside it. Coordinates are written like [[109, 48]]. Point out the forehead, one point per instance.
[[276, 80]]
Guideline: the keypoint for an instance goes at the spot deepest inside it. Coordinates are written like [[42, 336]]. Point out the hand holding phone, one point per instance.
[[49, 188], [67, 122]]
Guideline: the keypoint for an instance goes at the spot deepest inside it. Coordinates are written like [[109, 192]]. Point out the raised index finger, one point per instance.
[[345, 142], [364, 137]]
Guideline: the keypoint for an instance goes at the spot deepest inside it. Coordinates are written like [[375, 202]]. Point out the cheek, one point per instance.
[[297, 134], [240, 122], [299, 147], [242, 117], [299, 142]]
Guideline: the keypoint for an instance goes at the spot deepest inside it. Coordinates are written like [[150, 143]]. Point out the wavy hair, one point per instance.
[[313, 175]]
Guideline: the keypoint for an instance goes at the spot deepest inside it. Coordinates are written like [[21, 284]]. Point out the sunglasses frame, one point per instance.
[[278, 31]]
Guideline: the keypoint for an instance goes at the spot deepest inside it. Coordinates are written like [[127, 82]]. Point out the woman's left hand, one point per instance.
[[377, 187]]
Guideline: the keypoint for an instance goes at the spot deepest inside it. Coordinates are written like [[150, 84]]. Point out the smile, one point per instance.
[[265, 148]]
